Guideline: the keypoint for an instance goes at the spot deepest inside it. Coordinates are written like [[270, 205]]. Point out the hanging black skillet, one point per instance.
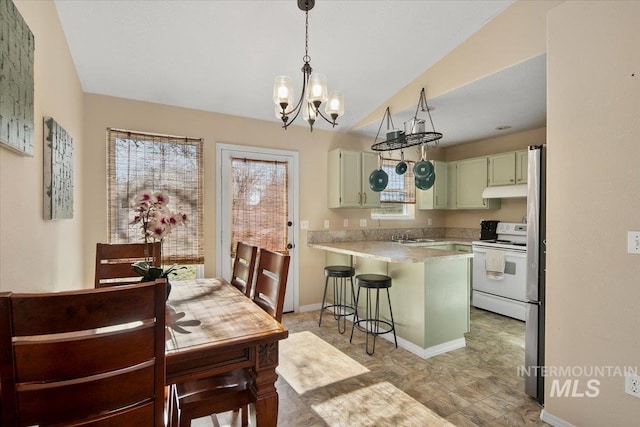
[[423, 168], [378, 179]]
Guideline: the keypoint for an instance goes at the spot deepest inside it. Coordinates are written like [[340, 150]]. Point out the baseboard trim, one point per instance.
[[553, 420], [428, 352], [310, 307], [424, 353]]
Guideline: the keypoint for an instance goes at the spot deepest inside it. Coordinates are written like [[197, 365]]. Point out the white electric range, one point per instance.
[[500, 271]]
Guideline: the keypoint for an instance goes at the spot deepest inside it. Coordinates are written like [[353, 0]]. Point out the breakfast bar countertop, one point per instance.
[[394, 251]]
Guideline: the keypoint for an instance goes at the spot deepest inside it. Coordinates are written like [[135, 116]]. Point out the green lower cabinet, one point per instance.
[[430, 299]]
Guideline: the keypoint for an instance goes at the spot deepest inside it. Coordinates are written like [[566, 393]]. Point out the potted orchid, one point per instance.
[[156, 221]]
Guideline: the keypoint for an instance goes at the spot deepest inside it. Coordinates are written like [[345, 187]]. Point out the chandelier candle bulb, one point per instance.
[[318, 86], [335, 105], [283, 92]]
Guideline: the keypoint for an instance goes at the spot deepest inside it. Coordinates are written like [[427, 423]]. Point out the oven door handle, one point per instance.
[[509, 252]]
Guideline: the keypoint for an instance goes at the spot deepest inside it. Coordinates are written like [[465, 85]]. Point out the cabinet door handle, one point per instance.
[[359, 198], [365, 198]]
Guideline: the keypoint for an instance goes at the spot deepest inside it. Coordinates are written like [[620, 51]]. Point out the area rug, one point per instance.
[[380, 404], [307, 362]]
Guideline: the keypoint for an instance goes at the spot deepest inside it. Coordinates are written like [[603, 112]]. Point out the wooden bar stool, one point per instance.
[[341, 308], [372, 320]]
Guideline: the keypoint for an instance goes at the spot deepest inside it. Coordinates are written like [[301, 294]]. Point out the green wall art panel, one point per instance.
[[16, 80], [58, 171]]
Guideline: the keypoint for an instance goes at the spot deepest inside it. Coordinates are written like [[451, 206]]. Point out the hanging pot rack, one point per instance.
[[403, 140]]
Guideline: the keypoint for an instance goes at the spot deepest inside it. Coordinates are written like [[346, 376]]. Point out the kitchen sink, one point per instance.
[[419, 240]]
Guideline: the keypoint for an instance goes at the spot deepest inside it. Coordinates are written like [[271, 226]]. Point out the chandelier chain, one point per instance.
[[306, 58]]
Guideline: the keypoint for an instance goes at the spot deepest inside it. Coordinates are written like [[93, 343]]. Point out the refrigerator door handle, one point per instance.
[[534, 302]]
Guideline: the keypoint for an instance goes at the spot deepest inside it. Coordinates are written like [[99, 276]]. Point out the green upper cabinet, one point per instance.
[[436, 196], [348, 179], [471, 179], [502, 169], [508, 168], [452, 179], [522, 166]]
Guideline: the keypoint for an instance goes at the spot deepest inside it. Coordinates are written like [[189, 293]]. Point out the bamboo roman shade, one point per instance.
[[400, 188], [260, 203], [139, 161]]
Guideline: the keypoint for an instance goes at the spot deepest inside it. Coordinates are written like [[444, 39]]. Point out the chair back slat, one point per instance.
[[271, 282], [90, 357], [244, 267], [59, 312], [113, 261]]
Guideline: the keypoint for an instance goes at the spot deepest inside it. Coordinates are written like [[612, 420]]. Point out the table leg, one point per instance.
[[263, 386]]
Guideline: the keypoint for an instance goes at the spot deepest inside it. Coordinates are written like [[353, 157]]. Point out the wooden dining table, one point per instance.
[[213, 328]]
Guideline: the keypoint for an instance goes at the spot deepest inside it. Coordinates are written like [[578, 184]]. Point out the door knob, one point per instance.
[[289, 246]]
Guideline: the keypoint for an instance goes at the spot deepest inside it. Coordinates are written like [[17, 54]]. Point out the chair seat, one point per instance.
[[374, 281], [339, 271]]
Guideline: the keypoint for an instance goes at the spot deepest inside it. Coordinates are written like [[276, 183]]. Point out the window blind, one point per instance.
[[260, 203], [140, 161], [400, 188]]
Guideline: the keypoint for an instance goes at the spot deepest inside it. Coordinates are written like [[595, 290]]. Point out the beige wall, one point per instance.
[[38, 254], [593, 286]]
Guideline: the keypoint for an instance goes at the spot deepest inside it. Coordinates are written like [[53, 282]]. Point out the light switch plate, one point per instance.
[[304, 225], [326, 223], [633, 242], [345, 222], [363, 222]]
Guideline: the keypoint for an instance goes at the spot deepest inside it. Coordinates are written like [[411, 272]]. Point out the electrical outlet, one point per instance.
[[326, 223], [429, 221], [633, 242], [632, 384], [345, 222], [363, 222], [304, 225]]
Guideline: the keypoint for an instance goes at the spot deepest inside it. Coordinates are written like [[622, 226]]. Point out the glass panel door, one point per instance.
[[257, 206]]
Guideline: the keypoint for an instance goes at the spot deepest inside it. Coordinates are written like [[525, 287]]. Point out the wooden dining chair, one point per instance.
[[244, 267], [113, 262], [271, 282], [93, 357], [230, 391]]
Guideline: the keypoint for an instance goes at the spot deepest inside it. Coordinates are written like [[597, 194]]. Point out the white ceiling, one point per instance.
[[222, 56]]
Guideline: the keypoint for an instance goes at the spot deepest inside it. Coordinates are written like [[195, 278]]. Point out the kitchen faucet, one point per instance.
[[405, 235]]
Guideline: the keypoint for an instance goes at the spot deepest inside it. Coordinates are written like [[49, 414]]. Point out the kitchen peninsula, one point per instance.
[[430, 291]]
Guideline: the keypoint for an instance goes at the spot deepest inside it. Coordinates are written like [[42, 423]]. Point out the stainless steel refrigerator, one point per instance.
[[536, 248]]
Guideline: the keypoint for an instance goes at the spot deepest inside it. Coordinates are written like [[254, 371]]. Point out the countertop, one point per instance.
[[394, 251]]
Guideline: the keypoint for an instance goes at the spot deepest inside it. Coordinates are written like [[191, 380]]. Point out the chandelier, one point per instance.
[[314, 89]]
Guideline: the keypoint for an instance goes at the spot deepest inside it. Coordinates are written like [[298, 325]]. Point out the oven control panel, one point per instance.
[[511, 228]]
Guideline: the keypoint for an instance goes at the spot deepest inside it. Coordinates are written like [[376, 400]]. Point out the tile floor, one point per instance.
[[473, 386]]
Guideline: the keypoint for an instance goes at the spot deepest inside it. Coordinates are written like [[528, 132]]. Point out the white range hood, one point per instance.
[[505, 191]]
